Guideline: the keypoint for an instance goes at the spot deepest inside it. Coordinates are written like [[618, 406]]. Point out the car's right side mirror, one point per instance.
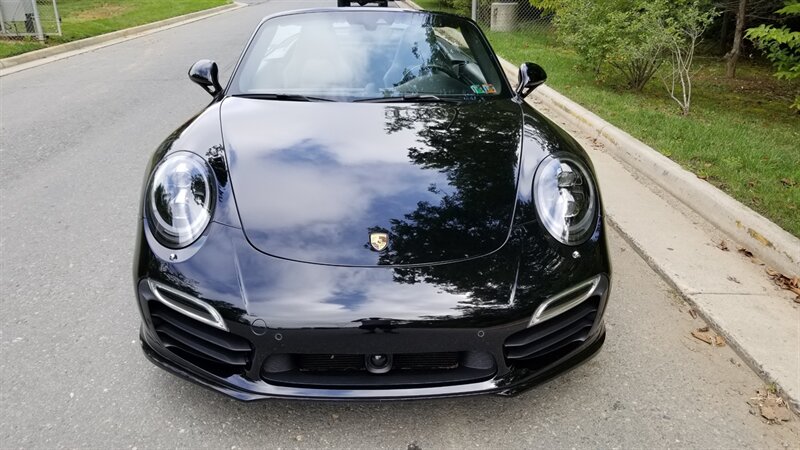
[[531, 76], [206, 73]]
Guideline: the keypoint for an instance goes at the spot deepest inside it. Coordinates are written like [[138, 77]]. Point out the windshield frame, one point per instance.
[[506, 91]]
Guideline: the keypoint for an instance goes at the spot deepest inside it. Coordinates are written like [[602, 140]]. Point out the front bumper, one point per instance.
[[556, 345], [476, 313], [514, 382]]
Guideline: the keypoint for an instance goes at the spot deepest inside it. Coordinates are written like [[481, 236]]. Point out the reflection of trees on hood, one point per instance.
[[476, 147]]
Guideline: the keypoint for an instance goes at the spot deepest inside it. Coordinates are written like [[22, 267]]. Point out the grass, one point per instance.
[[86, 18], [740, 136]]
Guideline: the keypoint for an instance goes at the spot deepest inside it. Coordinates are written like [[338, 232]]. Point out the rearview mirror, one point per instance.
[[206, 73], [531, 76]]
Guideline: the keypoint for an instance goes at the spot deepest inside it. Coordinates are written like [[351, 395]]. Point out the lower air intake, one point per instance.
[[207, 347], [545, 343], [350, 370]]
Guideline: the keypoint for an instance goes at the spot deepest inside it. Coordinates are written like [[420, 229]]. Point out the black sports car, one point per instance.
[[369, 210]]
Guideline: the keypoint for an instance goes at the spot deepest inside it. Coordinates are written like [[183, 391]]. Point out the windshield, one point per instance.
[[359, 55]]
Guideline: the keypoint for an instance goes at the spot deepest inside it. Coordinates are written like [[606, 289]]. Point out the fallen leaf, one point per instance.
[[723, 246], [759, 237], [750, 255], [693, 313], [770, 406], [703, 335], [788, 182], [774, 411], [719, 341], [768, 412], [784, 282]]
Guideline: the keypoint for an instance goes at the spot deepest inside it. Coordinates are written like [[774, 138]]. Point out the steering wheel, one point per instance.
[[434, 66]]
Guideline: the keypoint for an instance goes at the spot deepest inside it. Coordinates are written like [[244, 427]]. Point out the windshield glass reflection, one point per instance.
[[363, 55]]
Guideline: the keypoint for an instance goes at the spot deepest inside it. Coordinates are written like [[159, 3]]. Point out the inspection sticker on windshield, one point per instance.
[[483, 89]]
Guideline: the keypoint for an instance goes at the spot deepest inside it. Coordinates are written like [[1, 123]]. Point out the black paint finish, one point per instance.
[[285, 258], [313, 179]]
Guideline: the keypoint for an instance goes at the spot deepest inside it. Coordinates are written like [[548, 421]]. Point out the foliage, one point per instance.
[[781, 45], [623, 34], [635, 37], [462, 7]]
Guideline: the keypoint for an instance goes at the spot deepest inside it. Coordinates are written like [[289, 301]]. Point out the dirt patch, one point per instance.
[[103, 11], [766, 88]]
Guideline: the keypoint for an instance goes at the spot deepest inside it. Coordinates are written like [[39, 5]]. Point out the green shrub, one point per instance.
[[781, 45]]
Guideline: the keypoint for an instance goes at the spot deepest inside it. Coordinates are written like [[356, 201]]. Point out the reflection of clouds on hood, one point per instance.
[[316, 173], [339, 295]]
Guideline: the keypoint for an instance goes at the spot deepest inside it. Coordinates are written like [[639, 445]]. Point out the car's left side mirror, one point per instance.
[[206, 73], [531, 76]]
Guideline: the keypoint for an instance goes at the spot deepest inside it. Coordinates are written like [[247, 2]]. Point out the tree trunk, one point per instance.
[[738, 32]]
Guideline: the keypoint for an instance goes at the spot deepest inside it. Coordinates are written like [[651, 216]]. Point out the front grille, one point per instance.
[[205, 346], [321, 363], [546, 342], [350, 371], [405, 361], [426, 361]]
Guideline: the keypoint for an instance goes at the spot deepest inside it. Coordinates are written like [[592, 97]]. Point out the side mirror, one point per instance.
[[206, 73], [531, 76]]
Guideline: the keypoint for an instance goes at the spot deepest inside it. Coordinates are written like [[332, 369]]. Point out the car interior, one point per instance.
[[363, 58]]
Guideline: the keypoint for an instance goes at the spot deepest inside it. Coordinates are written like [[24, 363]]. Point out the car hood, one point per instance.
[[312, 180]]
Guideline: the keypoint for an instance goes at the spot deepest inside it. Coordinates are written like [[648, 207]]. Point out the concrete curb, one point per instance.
[[38, 57]]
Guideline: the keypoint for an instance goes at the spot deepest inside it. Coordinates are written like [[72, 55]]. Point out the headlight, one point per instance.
[[565, 198], [180, 199]]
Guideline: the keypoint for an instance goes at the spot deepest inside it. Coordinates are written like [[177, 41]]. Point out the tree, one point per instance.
[[781, 45], [623, 34], [744, 12], [736, 50], [684, 27]]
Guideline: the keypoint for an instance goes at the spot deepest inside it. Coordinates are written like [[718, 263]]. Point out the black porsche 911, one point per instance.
[[369, 210]]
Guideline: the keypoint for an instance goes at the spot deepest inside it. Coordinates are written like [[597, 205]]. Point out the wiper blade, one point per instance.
[[415, 98], [289, 97]]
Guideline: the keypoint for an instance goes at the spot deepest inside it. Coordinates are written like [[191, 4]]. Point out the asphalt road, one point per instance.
[[75, 137]]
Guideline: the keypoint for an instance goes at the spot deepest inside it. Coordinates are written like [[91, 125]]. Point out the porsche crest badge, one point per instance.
[[378, 241]]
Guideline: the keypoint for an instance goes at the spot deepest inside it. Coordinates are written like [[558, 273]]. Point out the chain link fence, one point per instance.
[[502, 16], [508, 16], [37, 18]]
